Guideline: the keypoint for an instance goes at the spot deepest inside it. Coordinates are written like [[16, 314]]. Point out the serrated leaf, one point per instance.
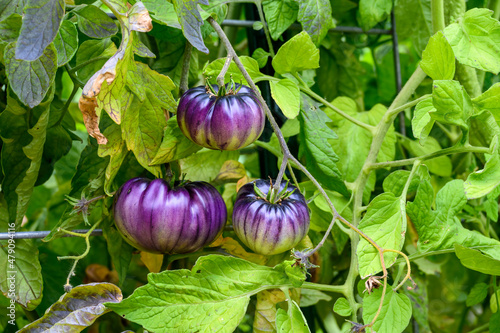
[[490, 100], [95, 23], [142, 129], [475, 40], [261, 56], [372, 12], [116, 149], [280, 14], [440, 166], [286, 94], [91, 49], [31, 80], [316, 18], [187, 298], [77, 309], [422, 122], [395, 314], [250, 64], [206, 164], [385, 223], [162, 12], [482, 182], [66, 42], [296, 54], [342, 307], [453, 104], [41, 21], [23, 269], [174, 144], [438, 60], [292, 320], [477, 261], [21, 153], [191, 21], [440, 229], [321, 158]]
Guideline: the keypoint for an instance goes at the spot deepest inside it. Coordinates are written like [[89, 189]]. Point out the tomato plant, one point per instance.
[[389, 221]]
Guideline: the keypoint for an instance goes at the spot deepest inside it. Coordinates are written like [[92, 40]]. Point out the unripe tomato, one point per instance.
[[227, 122], [156, 218], [266, 227]]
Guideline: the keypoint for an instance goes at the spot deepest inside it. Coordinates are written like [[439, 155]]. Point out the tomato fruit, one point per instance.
[[156, 218], [270, 226], [230, 121]]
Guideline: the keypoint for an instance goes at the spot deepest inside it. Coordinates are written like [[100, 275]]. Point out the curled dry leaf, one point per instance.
[[88, 108], [139, 18]]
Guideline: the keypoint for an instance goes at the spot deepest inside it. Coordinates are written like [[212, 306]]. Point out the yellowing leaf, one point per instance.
[[152, 261]]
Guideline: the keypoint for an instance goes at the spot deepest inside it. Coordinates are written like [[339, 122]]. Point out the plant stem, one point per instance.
[[66, 106], [442, 152], [266, 29], [325, 287], [183, 85], [494, 5], [348, 117], [409, 104], [482, 328], [437, 15], [222, 74], [73, 77], [88, 62]]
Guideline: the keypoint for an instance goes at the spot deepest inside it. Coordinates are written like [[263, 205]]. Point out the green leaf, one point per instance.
[[422, 122], [438, 60], [494, 325], [316, 18], [22, 152], [162, 12], [261, 56], [372, 12], [453, 104], [91, 49], [250, 64], [265, 310], [309, 297], [440, 166], [206, 164], [395, 314], [22, 268], [31, 80], [440, 229], [321, 158], [174, 145], [385, 223], [286, 94], [482, 182], [41, 21], [116, 149], [280, 14], [475, 40], [297, 54], [292, 320], [119, 250], [66, 42], [95, 23], [77, 309], [490, 100], [142, 129], [342, 307], [191, 21], [9, 7], [396, 181], [477, 261], [413, 20], [187, 298], [10, 27]]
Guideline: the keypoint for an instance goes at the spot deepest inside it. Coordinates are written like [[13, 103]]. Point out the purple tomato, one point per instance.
[[266, 227], [156, 218], [227, 122]]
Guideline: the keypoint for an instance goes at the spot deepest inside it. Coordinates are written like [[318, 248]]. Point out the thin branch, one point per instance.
[[264, 26], [88, 62], [408, 271], [222, 74], [408, 105], [183, 85]]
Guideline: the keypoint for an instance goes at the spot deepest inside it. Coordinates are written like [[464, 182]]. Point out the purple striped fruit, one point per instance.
[[156, 218], [227, 122], [270, 228]]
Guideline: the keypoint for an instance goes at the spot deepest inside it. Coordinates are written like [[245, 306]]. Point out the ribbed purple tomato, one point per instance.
[[266, 227], [227, 122], [156, 218]]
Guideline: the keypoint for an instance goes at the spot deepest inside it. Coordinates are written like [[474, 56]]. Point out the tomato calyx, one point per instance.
[[230, 89], [273, 196]]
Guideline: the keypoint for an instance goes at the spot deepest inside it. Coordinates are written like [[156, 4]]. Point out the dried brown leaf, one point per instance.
[[91, 119]]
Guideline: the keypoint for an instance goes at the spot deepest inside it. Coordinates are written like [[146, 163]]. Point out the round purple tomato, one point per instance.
[[156, 218], [266, 227], [227, 122]]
